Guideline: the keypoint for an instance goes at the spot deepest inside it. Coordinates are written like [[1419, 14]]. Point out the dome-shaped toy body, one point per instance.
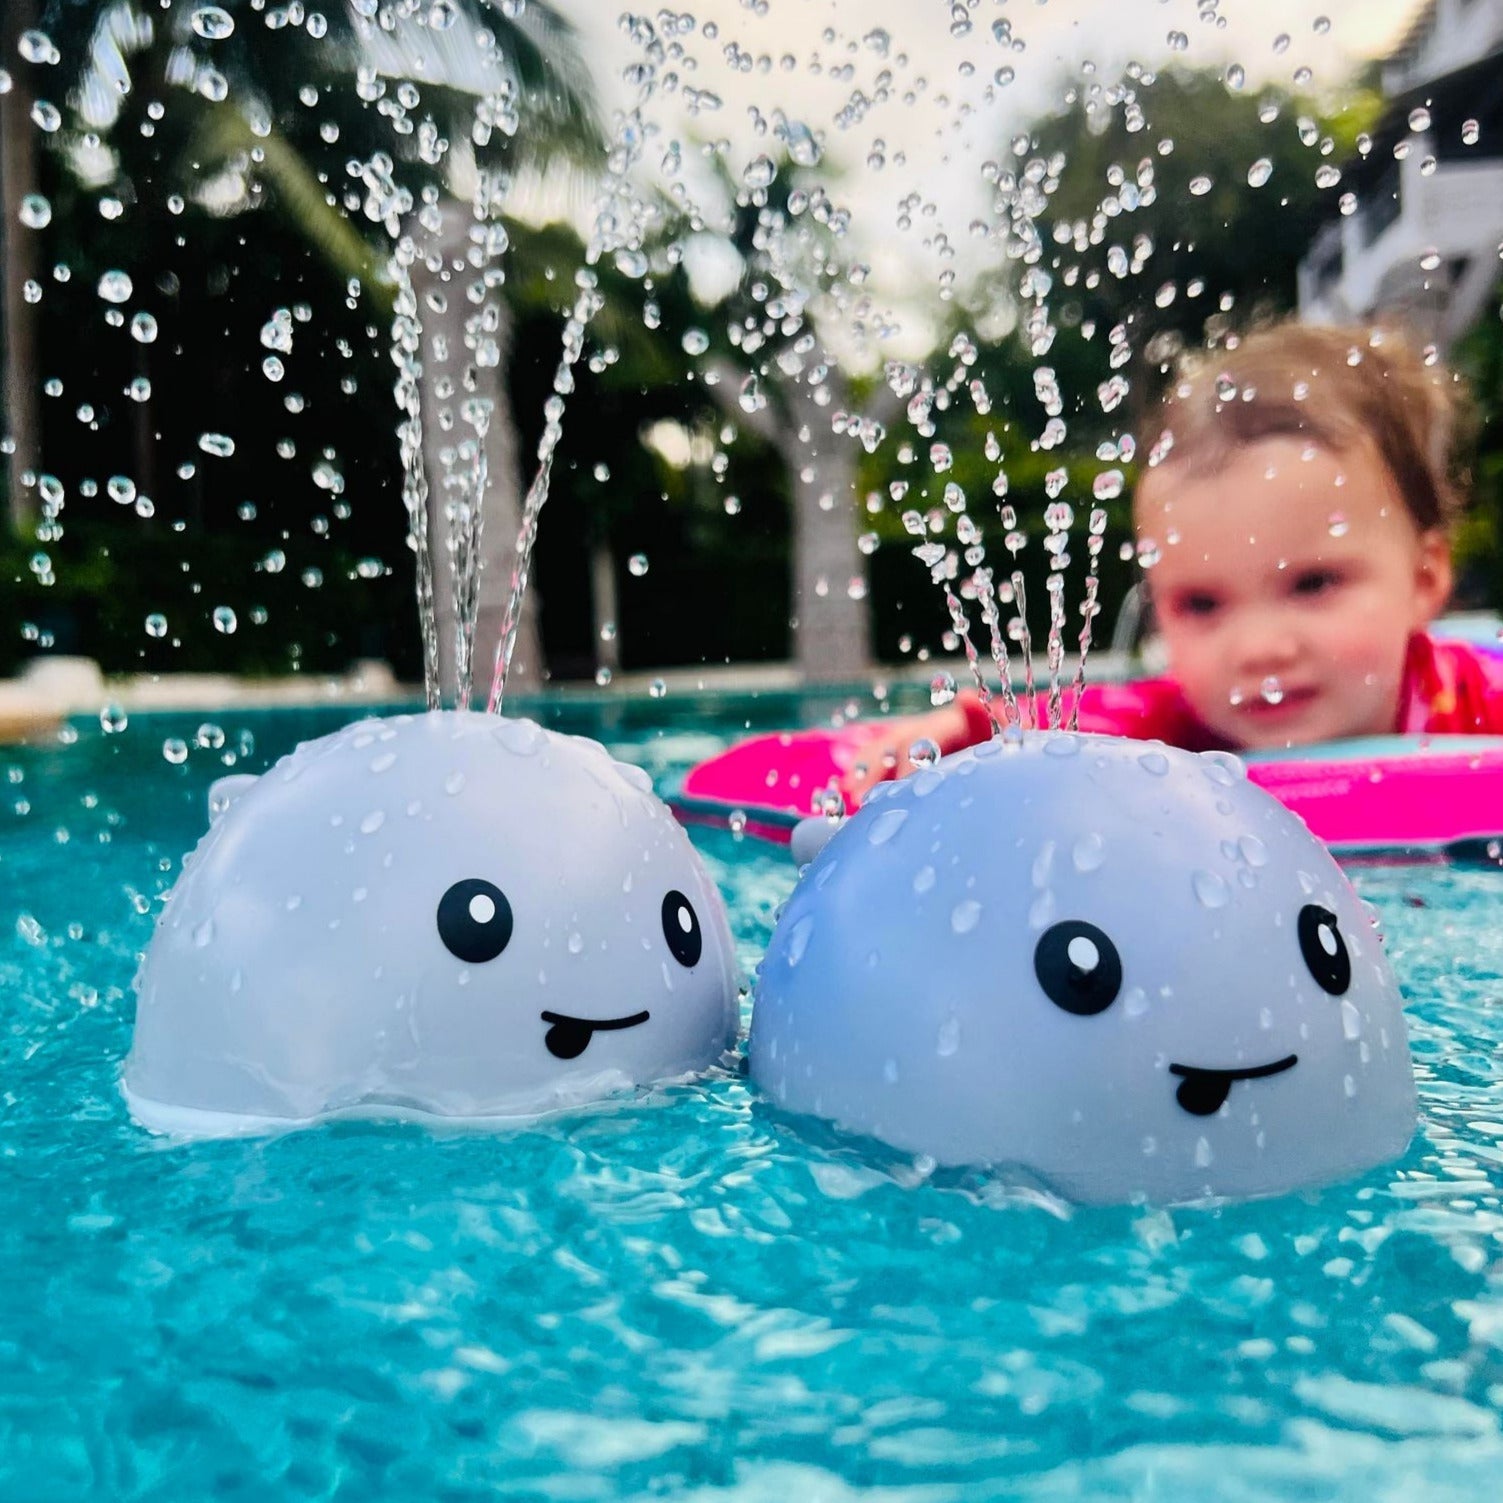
[[1117, 966], [451, 913]]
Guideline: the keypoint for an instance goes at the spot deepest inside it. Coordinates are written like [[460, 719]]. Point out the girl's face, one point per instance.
[[1287, 588]]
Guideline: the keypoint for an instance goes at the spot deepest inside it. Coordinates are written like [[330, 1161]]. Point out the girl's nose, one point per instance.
[[1267, 644]]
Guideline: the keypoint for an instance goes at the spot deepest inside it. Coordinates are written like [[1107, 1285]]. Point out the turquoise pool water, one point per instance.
[[683, 1295]]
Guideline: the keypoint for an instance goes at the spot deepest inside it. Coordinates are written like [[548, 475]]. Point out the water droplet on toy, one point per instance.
[[923, 879], [1088, 852], [203, 935], [637, 565], [576, 942], [220, 445], [798, 939], [1203, 1154], [1259, 172], [886, 825], [454, 783], [175, 750], [947, 1041], [113, 719], [1210, 889], [35, 212], [1419, 120], [224, 620], [116, 287], [1271, 691], [372, 822], [965, 915], [942, 689], [1154, 762]]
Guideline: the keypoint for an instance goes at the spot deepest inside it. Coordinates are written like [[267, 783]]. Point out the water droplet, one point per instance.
[[1236, 76], [1178, 41], [372, 822], [1327, 175], [113, 719], [203, 935], [1419, 120], [965, 915], [942, 689], [637, 565], [224, 620], [454, 783], [1154, 762], [924, 752], [1470, 133], [143, 328], [695, 341], [35, 212], [1321, 25], [116, 287], [752, 398], [1337, 525], [47, 116], [947, 1041], [156, 625], [1200, 185], [1271, 691], [221, 445], [1088, 852], [212, 23], [175, 750], [798, 939], [1203, 1154], [1211, 891], [657, 688], [886, 825], [1351, 1020], [1252, 850], [1259, 172], [576, 943], [759, 173], [923, 879]]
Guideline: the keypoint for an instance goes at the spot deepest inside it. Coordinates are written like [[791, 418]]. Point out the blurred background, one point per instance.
[[199, 207]]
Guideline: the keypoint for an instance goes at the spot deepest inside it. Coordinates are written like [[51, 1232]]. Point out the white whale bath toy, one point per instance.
[[452, 914], [1118, 967]]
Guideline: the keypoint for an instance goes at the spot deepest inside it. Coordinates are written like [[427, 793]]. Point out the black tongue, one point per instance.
[[1202, 1093], [570, 1039]]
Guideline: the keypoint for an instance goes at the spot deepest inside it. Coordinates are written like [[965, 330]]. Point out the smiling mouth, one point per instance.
[[568, 1038], [1203, 1092], [1289, 700]]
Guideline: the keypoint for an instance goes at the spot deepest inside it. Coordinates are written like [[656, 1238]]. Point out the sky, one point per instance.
[[947, 114]]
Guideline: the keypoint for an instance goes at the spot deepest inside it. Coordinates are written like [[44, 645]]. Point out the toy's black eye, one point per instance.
[[1324, 949], [474, 920], [681, 929], [1078, 967]]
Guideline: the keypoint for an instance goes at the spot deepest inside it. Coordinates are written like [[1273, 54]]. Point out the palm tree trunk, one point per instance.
[[18, 262], [831, 620], [444, 307]]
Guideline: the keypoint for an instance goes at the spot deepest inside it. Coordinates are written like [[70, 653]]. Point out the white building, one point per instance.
[[1423, 242]]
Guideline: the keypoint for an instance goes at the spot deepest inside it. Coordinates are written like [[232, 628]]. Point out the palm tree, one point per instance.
[[264, 121]]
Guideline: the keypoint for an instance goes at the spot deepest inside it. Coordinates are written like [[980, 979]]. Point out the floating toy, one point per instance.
[[1119, 968], [1381, 793], [451, 914]]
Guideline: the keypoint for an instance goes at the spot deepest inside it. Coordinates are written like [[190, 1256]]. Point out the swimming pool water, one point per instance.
[[684, 1295]]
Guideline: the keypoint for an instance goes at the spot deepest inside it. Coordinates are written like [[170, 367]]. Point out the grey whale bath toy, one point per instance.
[[449, 914], [1118, 967]]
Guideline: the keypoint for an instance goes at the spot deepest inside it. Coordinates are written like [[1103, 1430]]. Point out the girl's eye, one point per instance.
[[1196, 603], [1316, 581]]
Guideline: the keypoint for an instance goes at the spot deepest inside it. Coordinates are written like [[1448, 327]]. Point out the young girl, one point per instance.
[[1296, 506]]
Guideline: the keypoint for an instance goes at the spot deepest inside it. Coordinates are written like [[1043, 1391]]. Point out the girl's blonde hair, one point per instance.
[[1337, 386]]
